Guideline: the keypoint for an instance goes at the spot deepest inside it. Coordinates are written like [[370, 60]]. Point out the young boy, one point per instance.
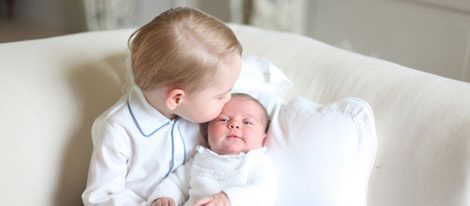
[[184, 64], [235, 170]]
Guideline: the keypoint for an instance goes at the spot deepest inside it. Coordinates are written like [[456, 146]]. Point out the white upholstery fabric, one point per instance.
[[52, 89]]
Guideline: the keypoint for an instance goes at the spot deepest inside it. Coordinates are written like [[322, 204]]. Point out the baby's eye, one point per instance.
[[248, 122], [224, 120]]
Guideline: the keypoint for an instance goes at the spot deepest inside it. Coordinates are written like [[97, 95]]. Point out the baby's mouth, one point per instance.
[[232, 136]]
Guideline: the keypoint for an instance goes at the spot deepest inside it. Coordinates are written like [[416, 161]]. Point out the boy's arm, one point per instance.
[[108, 168], [261, 189], [175, 186]]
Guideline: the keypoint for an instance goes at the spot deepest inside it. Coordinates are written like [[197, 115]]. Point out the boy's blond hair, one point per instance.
[[180, 48]]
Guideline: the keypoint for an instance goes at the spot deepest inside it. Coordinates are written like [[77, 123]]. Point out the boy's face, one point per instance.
[[205, 105], [240, 127]]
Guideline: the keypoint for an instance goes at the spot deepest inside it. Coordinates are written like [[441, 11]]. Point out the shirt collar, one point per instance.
[[147, 118]]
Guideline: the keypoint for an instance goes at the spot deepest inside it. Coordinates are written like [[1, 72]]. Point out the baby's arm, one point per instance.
[[261, 189], [174, 187], [216, 199]]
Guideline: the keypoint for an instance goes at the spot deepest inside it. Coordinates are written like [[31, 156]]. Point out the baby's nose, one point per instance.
[[234, 126]]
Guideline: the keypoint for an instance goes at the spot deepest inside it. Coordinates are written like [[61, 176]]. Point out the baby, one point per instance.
[[234, 170]]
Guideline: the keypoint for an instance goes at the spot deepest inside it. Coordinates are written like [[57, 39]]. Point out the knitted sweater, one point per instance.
[[247, 179]]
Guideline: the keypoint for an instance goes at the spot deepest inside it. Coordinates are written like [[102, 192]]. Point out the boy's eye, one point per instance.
[[221, 97]]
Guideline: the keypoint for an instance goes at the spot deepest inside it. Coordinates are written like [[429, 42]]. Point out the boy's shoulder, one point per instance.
[[116, 112], [112, 120]]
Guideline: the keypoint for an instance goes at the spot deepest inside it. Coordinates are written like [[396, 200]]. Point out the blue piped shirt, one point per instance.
[[134, 148]]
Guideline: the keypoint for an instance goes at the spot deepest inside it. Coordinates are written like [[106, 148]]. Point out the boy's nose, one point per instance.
[[227, 98]]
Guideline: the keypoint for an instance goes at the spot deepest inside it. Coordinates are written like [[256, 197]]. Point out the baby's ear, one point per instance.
[[266, 139], [267, 136], [174, 98]]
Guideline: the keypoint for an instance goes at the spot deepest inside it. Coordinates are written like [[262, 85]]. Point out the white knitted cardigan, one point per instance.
[[247, 179]]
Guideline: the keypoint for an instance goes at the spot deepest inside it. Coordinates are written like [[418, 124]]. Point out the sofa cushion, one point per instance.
[[326, 150]]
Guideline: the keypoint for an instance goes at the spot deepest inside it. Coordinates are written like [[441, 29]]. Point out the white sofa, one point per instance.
[[53, 88]]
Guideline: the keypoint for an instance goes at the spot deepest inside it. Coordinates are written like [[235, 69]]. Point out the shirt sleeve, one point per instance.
[[261, 188], [108, 168], [175, 186]]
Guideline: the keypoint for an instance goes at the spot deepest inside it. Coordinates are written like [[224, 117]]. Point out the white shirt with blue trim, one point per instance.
[[134, 148]]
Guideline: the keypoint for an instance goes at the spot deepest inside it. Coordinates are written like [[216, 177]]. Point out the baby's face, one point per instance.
[[240, 127]]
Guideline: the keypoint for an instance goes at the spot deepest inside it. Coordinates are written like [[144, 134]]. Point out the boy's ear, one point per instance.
[[174, 98]]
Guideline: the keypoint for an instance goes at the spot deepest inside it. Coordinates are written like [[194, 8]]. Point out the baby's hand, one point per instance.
[[164, 201], [219, 199]]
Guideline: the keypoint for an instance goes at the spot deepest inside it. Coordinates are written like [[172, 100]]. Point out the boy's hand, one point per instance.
[[164, 201], [219, 199]]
